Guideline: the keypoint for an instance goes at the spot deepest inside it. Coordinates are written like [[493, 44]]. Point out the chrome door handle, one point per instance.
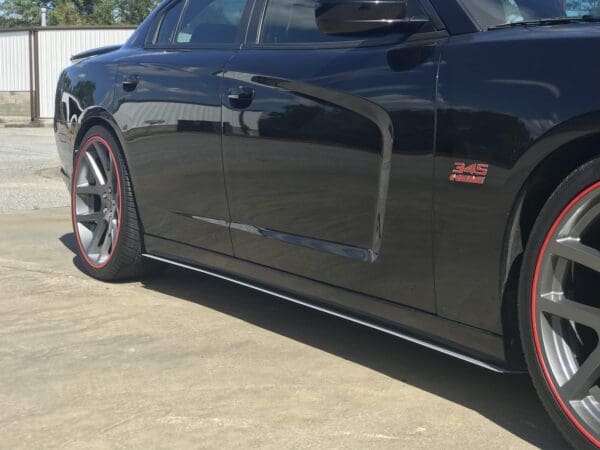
[[130, 83], [241, 97]]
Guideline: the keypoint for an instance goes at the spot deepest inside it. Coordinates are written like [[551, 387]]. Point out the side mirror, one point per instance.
[[360, 17]]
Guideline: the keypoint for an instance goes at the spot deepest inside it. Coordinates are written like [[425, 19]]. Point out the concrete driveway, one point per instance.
[[186, 361]]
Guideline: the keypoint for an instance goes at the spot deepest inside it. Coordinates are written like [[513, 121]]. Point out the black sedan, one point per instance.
[[428, 168]]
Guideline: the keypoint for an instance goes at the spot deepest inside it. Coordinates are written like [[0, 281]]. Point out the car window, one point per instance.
[[168, 24], [293, 22], [211, 22], [491, 13]]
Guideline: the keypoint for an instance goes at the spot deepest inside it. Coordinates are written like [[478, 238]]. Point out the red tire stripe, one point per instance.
[[536, 340], [84, 149]]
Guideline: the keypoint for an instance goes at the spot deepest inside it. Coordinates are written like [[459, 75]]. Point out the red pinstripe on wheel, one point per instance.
[[538, 347], [111, 153]]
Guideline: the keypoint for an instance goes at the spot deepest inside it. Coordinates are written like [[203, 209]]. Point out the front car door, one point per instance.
[[169, 110], [328, 146]]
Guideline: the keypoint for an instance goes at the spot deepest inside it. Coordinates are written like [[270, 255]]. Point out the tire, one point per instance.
[[105, 220], [557, 306]]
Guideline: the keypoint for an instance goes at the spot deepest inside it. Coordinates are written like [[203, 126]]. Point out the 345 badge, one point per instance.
[[472, 174]]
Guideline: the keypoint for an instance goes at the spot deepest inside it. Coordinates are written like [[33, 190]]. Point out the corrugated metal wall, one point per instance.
[[55, 50], [14, 61]]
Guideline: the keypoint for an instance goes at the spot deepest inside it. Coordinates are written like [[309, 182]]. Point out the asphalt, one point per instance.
[[186, 361]]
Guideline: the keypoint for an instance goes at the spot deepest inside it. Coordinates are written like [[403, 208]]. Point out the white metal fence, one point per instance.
[[31, 60], [14, 61], [55, 50]]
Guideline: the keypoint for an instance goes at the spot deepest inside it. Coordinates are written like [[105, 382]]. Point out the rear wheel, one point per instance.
[[105, 220], [560, 306]]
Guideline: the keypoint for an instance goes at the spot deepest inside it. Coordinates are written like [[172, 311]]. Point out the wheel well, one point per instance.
[[89, 124], [540, 185]]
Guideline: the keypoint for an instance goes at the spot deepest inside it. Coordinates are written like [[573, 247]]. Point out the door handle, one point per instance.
[[241, 97], [130, 83]]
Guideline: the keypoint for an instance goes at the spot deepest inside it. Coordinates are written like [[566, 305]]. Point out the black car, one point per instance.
[[428, 168]]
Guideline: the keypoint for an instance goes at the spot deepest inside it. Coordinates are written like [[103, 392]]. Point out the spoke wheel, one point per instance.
[[97, 202], [565, 311]]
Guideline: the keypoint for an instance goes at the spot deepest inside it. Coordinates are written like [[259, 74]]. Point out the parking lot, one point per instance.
[[184, 360]]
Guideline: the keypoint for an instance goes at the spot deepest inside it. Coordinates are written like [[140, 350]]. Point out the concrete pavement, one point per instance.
[[28, 170], [186, 361]]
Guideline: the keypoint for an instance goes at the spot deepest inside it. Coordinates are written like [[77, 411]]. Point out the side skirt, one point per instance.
[[469, 344]]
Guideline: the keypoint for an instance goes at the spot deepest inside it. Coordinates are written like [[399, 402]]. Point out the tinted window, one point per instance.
[[168, 24], [490, 13], [293, 22], [211, 22]]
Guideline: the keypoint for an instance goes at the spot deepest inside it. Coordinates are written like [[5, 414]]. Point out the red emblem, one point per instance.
[[472, 174]]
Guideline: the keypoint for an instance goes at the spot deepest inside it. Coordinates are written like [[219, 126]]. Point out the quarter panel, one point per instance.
[[83, 87]]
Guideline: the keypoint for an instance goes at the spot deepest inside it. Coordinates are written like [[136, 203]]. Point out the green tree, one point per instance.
[[78, 12], [21, 12], [104, 12], [134, 11], [75, 12]]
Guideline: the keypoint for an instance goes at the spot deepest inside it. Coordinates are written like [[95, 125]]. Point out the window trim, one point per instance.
[[154, 31], [173, 45], [254, 35], [454, 17]]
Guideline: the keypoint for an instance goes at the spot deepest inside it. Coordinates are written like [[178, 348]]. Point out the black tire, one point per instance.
[[581, 183], [123, 259]]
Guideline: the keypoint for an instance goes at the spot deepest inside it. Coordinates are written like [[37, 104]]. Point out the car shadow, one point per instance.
[[68, 240], [508, 400]]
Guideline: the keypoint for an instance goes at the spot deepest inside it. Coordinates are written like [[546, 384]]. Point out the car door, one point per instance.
[[327, 146], [169, 110]]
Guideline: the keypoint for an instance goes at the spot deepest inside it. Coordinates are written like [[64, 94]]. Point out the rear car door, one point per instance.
[[327, 146], [169, 110]]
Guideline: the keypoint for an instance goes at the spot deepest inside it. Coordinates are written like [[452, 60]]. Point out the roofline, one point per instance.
[[69, 27]]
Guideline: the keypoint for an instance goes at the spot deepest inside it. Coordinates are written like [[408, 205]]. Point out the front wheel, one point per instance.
[[559, 306], [105, 220]]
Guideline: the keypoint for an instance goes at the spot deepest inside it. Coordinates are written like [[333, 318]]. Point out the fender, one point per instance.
[[561, 135], [539, 172], [558, 139]]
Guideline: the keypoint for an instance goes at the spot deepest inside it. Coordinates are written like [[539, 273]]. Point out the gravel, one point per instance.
[[30, 171]]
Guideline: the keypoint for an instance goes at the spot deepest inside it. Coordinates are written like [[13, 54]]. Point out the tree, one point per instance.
[[134, 11], [75, 12], [21, 12], [83, 12]]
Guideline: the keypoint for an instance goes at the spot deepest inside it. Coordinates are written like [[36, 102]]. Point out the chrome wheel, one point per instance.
[[566, 311], [96, 202]]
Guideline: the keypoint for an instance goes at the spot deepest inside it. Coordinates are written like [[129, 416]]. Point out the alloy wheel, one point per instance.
[[96, 202], [566, 311]]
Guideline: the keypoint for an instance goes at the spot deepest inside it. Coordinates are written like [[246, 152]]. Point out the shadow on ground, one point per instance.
[[508, 400]]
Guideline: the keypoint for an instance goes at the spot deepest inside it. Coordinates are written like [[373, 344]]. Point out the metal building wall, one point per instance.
[[55, 48], [15, 72]]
